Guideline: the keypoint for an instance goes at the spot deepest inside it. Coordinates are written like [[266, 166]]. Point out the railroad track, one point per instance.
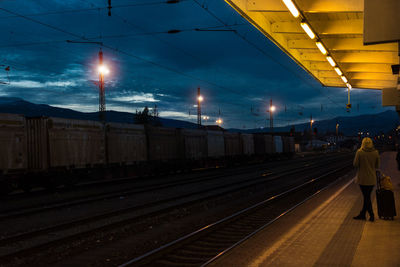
[[207, 244], [202, 172], [36, 240], [43, 207]]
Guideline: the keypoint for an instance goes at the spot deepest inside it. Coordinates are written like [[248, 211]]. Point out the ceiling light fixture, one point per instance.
[[331, 61], [321, 48], [308, 30], [292, 8]]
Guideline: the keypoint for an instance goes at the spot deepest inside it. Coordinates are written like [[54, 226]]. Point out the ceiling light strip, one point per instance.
[[321, 48], [292, 8], [338, 71], [306, 27]]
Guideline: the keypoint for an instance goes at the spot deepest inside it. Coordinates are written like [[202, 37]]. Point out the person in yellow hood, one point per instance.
[[366, 161]]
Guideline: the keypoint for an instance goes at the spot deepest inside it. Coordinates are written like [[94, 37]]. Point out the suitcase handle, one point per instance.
[[378, 179]]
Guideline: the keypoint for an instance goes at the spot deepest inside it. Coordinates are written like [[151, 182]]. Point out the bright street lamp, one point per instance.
[[103, 70], [199, 100], [311, 131], [271, 110]]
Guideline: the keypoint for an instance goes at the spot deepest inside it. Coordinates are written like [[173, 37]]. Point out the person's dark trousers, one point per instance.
[[367, 206]]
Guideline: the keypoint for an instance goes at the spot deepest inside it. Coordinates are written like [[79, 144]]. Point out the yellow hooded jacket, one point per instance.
[[366, 161]]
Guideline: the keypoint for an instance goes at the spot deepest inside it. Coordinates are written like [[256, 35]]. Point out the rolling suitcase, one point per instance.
[[384, 200]]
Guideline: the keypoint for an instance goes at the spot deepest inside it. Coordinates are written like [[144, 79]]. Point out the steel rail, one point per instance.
[[233, 216], [60, 227], [118, 193]]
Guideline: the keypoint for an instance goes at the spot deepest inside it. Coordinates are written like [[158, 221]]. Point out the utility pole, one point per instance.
[[337, 134], [271, 110], [102, 97], [199, 99], [271, 117], [311, 131]]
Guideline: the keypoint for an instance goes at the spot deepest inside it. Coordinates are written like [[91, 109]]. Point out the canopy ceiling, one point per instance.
[[338, 25]]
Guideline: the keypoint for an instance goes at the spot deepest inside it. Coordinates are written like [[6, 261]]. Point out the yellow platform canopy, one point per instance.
[[338, 29]]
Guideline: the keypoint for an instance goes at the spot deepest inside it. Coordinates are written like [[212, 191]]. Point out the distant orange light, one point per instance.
[[200, 98]]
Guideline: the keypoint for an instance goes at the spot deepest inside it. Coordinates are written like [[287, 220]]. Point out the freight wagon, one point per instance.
[[53, 151]]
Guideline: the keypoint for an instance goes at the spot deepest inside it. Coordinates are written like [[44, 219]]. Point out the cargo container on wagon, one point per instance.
[[194, 143], [215, 144], [288, 144], [163, 144], [75, 143], [269, 144], [13, 153], [259, 144], [126, 144], [232, 144], [37, 143], [278, 144], [247, 141]]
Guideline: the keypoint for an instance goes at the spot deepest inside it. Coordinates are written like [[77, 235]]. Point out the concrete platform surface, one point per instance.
[[322, 232]]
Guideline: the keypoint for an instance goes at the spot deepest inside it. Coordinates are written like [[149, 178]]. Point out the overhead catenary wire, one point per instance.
[[261, 50], [124, 20], [119, 51], [135, 56], [57, 12], [115, 36], [125, 53]]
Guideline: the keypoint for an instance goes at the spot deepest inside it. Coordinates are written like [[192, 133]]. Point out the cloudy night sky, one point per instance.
[[236, 71]]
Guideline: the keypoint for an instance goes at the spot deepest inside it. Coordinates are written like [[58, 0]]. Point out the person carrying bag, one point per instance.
[[366, 161]]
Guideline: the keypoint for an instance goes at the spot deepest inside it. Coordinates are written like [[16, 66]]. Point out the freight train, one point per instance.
[[54, 151]]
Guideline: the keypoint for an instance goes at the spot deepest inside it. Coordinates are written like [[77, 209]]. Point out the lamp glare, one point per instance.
[[292, 8], [321, 48], [331, 61], [338, 71], [103, 69], [344, 79], [308, 30]]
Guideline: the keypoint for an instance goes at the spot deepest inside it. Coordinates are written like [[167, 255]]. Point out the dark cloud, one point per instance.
[[155, 68]]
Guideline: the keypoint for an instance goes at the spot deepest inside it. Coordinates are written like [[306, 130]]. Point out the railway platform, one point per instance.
[[322, 232]]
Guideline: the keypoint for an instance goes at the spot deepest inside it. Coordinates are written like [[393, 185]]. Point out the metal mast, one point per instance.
[[198, 107], [271, 117], [102, 97]]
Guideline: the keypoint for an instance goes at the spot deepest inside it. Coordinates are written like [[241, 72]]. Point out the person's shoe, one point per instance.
[[372, 218], [360, 217]]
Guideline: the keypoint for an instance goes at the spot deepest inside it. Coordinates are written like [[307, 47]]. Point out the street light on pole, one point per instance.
[[311, 132], [199, 100], [271, 110], [103, 70], [337, 134]]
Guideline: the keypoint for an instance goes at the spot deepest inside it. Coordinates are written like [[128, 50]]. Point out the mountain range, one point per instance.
[[351, 125]]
